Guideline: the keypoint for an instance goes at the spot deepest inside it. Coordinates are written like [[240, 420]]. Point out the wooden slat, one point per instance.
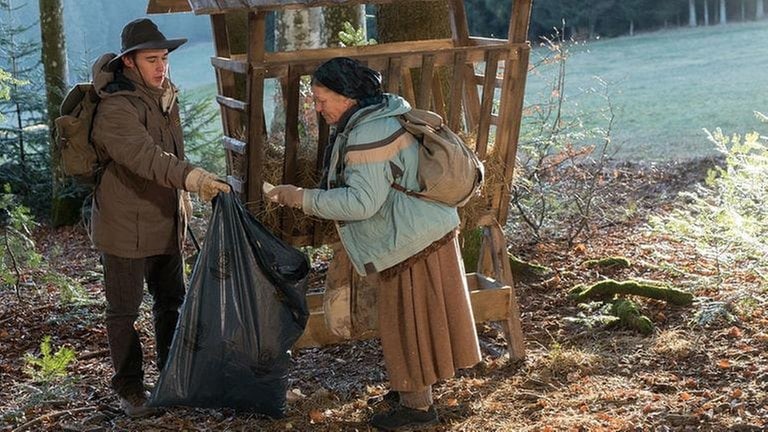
[[389, 49], [490, 302], [406, 83], [508, 130], [519, 21], [437, 94], [290, 90], [494, 260], [457, 91], [228, 64], [458, 17], [256, 127], [471, 98], [489, 89], [218, 6], [232, 103], [168, 6], [426, 76], [234, 145], [393, 75], [225, 81]]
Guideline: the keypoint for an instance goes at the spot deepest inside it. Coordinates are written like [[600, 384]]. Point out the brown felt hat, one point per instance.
[[141, 34]]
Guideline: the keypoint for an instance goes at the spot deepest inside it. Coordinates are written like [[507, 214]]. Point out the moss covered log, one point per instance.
[[630, 316], [608, 263], [606, 289]]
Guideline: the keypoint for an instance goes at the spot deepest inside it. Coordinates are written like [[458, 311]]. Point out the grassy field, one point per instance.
[[667, 86]]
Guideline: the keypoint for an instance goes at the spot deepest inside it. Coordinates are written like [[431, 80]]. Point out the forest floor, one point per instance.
[[704, 367]]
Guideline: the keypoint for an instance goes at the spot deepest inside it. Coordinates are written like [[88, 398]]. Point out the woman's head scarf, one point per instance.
[[350, 78]]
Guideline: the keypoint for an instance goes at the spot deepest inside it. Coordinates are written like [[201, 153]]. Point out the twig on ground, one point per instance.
[[51, 416]]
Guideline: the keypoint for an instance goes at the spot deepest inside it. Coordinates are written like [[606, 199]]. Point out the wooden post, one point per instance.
[[255, 91], [494, 261]]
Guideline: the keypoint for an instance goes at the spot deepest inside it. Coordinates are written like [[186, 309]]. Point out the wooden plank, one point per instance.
[[393, 75], [218, 6], [443, 57], [519, 21], [457, 91], [437, 94], [232, 103], [256, 127], [227, 64], [494, 260], [290, 90], [406, 86], [486, 107], [234, 145], [426, 75], [508, 130], [458, 17], [388, 49], [168, 6], [225, 81], [487, 305], [471, 98]]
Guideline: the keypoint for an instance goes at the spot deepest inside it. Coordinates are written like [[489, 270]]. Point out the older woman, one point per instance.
[[406, 245]]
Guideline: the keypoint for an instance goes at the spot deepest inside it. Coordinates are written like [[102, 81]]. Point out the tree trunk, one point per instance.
[[759, 9], [723, 19], [706, 13], [692, 13], [409, 21], [54, 57], [297, 29], [336, 16], [743, 11], [631, 27], [406, 21]]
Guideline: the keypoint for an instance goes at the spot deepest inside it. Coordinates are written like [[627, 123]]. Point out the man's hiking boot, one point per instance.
[[135, 404], [405, 419]]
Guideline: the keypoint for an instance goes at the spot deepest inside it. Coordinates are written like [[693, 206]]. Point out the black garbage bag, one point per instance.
[[244, 309]]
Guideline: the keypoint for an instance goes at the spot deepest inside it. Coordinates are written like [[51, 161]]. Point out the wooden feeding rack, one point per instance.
[[476, 84]]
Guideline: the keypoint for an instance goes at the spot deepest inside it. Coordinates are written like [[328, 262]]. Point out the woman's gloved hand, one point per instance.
[[287, 195], [205, 184]]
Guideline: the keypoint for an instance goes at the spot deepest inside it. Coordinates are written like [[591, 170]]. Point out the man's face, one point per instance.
[[330, 104], [152, 65]]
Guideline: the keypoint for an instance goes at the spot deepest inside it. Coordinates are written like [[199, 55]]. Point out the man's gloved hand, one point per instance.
[[287, 195], [205, 184]]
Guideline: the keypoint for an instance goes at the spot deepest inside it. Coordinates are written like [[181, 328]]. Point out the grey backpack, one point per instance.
[[449, 172]]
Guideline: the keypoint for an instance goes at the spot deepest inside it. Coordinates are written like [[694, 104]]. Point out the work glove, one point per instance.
[[205, 184], [287, 195]]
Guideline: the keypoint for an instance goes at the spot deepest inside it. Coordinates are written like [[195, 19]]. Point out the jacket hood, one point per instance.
[[102, 77], [392, 105]]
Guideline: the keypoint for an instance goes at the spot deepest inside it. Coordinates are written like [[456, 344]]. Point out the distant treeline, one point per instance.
[[588, 19]]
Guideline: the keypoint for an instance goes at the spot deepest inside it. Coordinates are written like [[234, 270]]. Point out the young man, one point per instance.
[[140, 207]]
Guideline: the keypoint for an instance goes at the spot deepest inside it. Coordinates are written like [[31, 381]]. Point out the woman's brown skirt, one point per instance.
[[425, 320]]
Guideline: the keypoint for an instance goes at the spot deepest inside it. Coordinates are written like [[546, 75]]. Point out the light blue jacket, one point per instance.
[[378, 225]]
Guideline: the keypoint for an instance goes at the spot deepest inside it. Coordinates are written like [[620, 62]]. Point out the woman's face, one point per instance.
[[330, 104]]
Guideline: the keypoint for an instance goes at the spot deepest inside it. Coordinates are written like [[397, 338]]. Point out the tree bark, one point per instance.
[[406, 21], [706, 13], [54, 57], [723, 18], [692, 13], [297, 29], [336, 16], [759, 9]]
